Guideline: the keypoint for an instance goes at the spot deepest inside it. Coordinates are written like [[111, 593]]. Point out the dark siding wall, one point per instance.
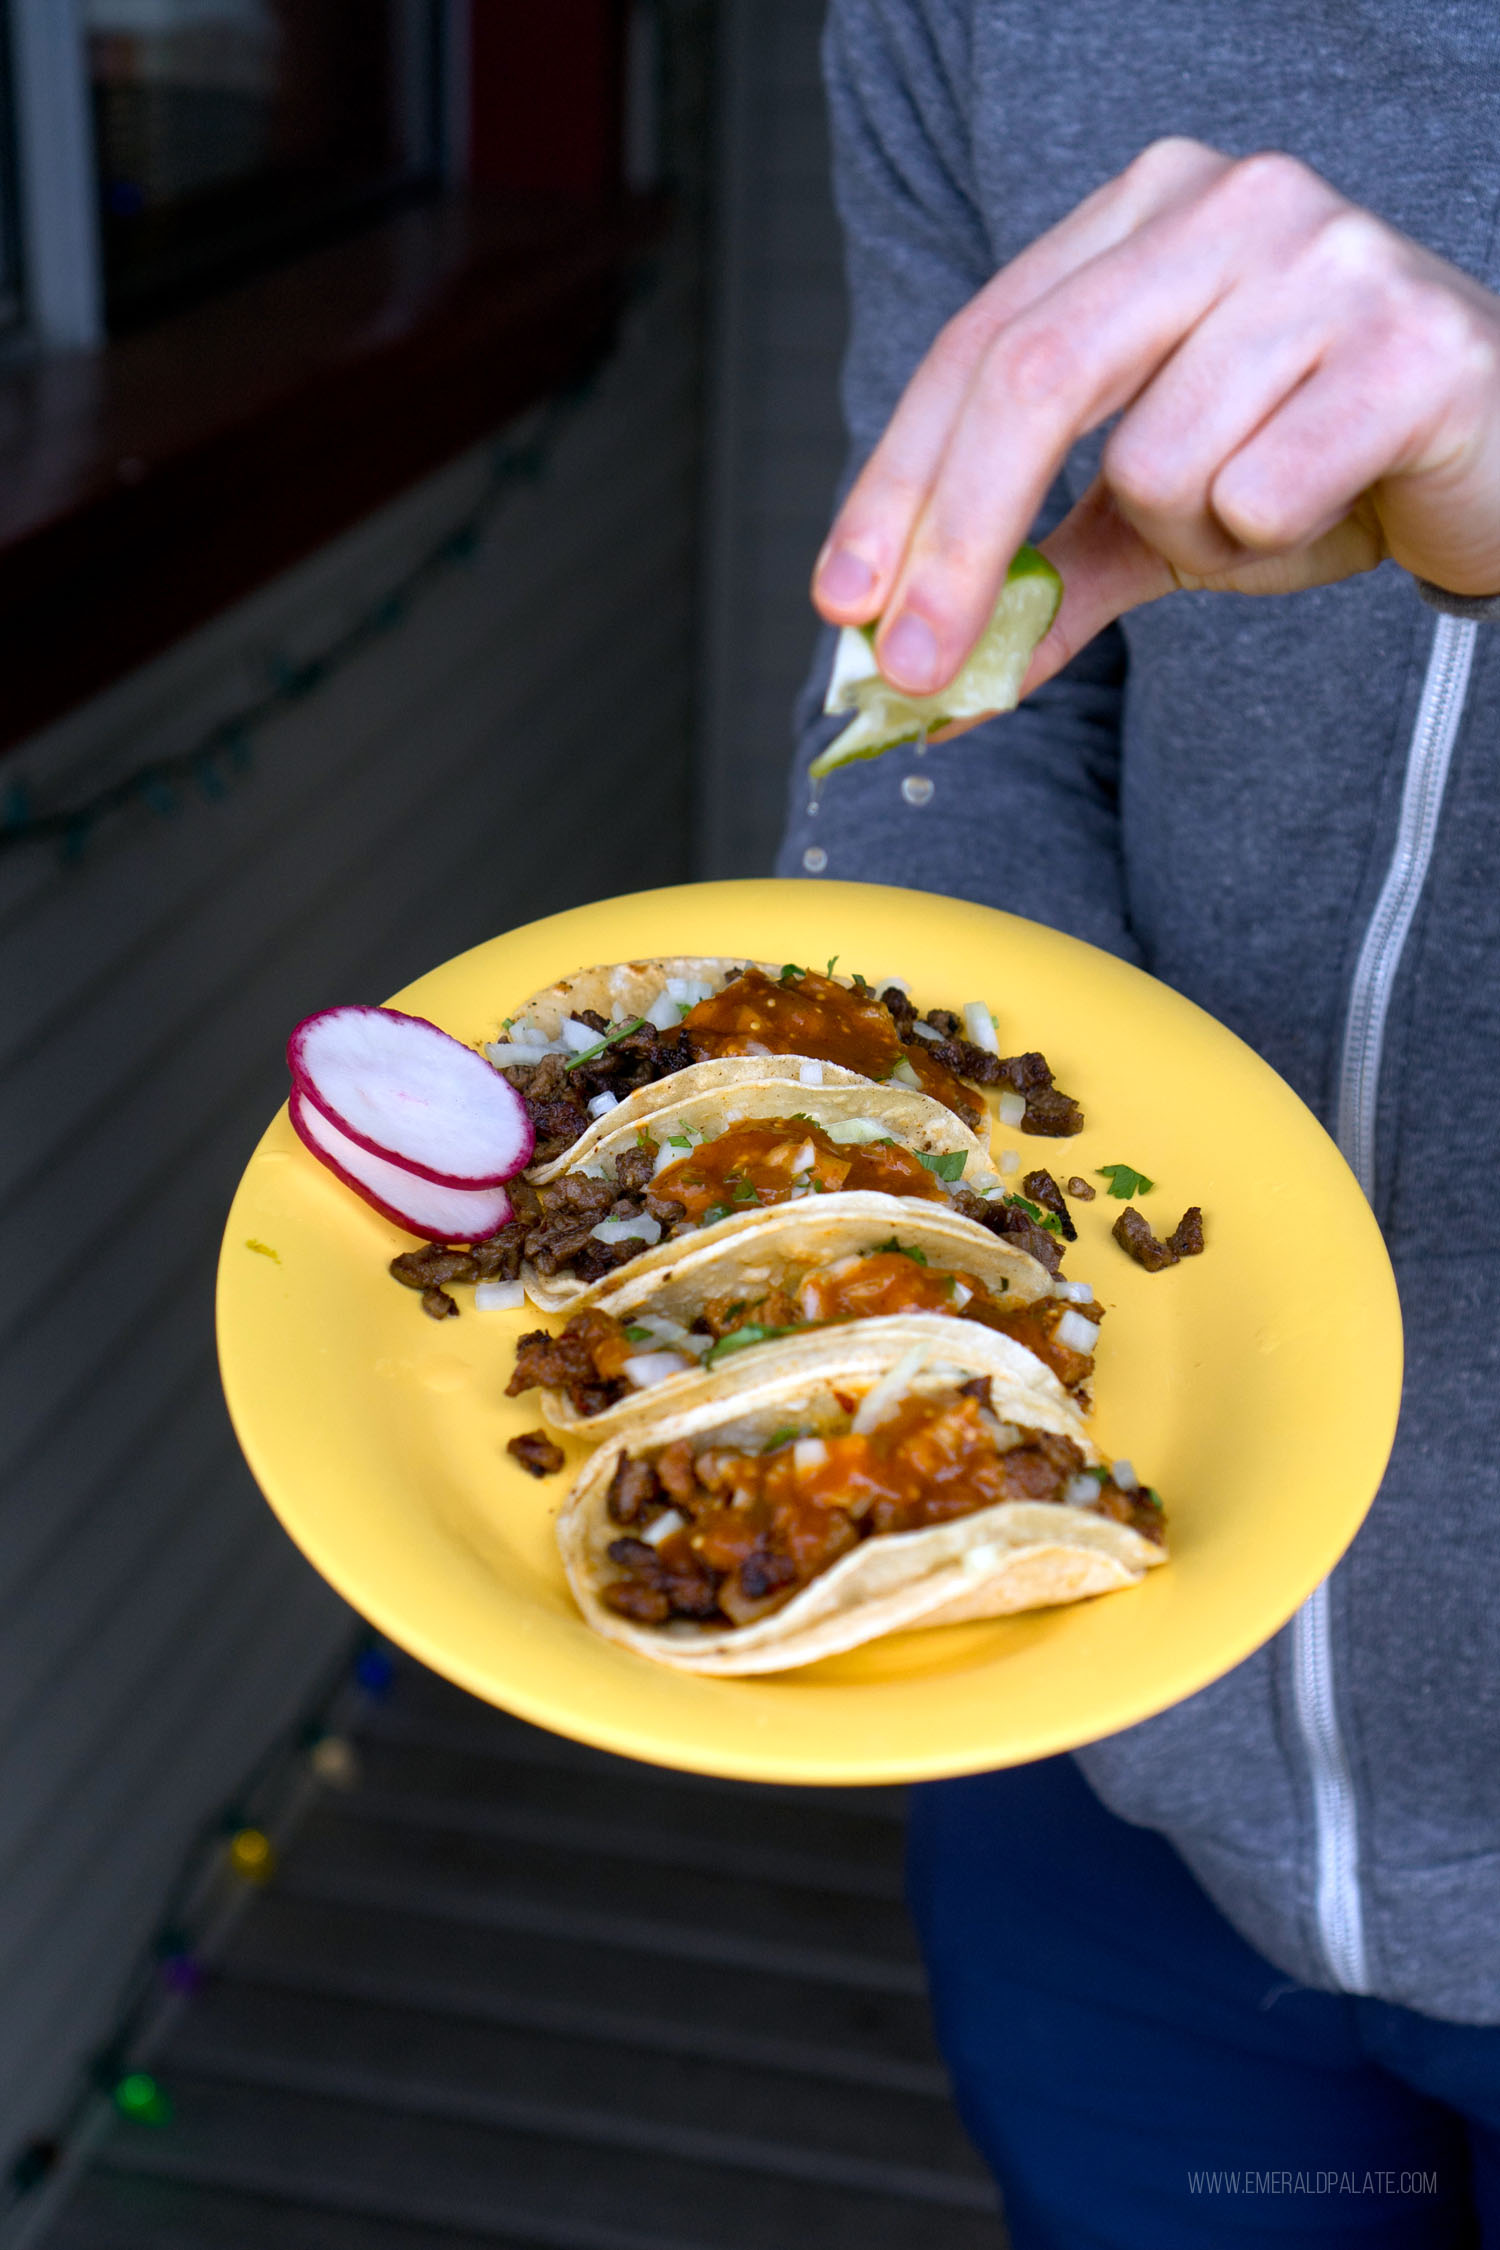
[[776, 438], [520, 743]]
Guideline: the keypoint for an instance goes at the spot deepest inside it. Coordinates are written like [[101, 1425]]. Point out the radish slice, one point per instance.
[[442, 1214], [408, 1093]]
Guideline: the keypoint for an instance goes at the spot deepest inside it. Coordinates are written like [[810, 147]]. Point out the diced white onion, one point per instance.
[[980, 1027], [878, 1403], [498, 1296], [961, 1294], [643, 1229], [602, 1104], [810, 1074], [664, 1011], [688, 991], [579, 1035], [665, 1155], [1078, 1334], [809, 1453], [849, 1132], [756, 1047], [654, 1367], [1005, 1435], [673, 1333], [805, 1158], [902, 1074], [512, 1054], [841, 1266], [1012, 1107], [1080, 1492], [1076, 1292], [927, 1031], [1009, 1161], [807, 1298], [671, 1520], [1124, 1476], [883, 984]]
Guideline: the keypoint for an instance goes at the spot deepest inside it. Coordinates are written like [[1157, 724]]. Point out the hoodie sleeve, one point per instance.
[[1022, 813]]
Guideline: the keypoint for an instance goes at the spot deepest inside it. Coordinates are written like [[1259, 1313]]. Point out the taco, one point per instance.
[[892, 1474], [652, 1340], [712, 1163], [612, 1034]]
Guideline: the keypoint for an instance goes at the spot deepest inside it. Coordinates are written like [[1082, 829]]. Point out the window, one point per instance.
[[227, 131], [167, 147]]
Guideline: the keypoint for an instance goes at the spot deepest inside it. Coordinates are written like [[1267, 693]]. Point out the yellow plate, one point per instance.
[[1257, 1387]]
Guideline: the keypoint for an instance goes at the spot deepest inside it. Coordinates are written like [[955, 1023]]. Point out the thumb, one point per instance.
[[1106, 568]]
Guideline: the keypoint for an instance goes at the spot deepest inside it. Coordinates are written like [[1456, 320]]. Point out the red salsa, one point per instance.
[[808, 1014], [755, 1528]]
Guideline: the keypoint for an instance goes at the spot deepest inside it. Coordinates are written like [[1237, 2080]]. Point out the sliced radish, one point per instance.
[[407, 1092], [442, 1214]]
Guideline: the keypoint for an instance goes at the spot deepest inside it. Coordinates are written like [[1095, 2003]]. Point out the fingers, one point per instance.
[[1060, 368], [857, 568]]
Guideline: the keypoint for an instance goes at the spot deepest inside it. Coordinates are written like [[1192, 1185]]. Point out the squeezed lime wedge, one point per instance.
[[989, 680]]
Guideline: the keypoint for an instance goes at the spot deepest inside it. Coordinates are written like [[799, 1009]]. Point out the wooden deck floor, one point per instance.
[[511, 1992]]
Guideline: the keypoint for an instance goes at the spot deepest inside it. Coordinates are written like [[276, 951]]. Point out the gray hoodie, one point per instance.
[[1290, 811]]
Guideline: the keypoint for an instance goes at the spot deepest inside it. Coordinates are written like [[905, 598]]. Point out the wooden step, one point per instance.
[[304, 2145], [562, 2083], [609, 1991]]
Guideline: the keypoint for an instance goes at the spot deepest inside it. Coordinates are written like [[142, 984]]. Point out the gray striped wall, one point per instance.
[[776, 439], [519, 744]]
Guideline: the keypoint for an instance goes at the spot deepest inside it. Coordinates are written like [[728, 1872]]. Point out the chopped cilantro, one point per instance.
[[831, 960], [1151, 1496], [821, 1187], [643, 1138], [637, 1334], [949, 1166], [1125, 1181], [859, 983], [1036, 1214], [743, 1192], [737, 1307], [678, 1140], [262, 1249], [738, 1340], [906, 1249], [607, 1041], [506, 1022], [713, 1214], [789, 970], [781, 1437]]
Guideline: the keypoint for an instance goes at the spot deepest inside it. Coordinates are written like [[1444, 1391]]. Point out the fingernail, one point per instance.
[[845, 578], [909, 654]]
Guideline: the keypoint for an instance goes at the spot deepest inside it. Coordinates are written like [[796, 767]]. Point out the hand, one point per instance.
[[1302, 392]]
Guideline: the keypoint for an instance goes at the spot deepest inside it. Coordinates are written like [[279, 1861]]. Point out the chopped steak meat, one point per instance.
[[977, 1387], [632, 1488], [1187, 1237], [1134, 1235], [1050, 1111], [1043, 1189], [1023, 1074], [1012, 1225], [537, 1454], [427, 1269]]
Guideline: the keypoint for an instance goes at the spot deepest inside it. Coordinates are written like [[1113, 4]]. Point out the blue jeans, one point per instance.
[[1140, 2079]]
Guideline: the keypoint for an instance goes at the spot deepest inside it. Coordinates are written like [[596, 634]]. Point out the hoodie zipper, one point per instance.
[[1340, 1911]]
